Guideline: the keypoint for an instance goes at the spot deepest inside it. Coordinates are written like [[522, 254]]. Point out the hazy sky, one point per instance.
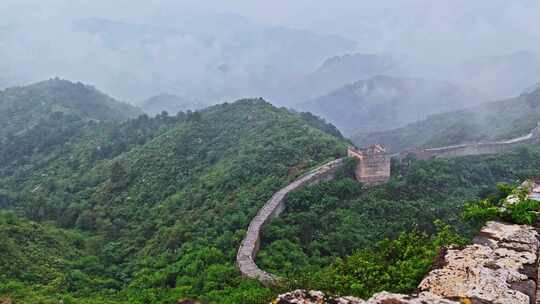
[[514, 20], [37, 40]]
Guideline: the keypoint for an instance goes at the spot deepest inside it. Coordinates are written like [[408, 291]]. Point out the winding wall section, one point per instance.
[[475, 148], [249, 248]]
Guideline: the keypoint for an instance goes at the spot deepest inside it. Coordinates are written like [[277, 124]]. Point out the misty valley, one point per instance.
[[183, 152]]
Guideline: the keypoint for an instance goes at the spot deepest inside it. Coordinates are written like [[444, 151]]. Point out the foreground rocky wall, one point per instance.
[[500, 267], [247, 252]]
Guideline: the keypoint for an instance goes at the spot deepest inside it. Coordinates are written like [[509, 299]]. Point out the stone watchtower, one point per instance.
[[373, 164]]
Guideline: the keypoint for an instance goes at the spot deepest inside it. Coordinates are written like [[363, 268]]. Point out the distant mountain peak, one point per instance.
[[23, 106], [384, 102]]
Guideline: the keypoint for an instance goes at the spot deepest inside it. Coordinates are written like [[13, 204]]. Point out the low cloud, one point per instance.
[[209, 50]]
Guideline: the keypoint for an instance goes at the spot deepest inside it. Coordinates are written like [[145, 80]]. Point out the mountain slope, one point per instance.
[[323, 224], [503, 119], [503, 76], [21, 108], [383, 102], [166, 199], [336, 72], [38, 119]]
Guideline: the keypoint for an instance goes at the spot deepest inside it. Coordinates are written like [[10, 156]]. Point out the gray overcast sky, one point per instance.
[[347, 17], [36, 42]]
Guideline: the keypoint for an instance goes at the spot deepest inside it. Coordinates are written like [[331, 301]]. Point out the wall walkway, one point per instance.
[[249, 248], [479, 148]]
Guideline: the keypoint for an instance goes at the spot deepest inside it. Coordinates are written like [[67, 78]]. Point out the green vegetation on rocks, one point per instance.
[[510, 204]]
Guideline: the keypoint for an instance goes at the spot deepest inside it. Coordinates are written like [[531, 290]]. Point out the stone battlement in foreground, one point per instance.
[[500, 267]]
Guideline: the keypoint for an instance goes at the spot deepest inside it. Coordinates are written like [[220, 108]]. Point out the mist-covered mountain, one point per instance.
[[501, 76], [336, 72], [384, 102], [532, 88], [170, 103], [493, 77], [222, 52], [504, 119], [22, 108], [208, 57]]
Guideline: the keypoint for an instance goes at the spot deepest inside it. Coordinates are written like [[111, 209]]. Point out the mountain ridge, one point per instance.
[[57, 95], [386, 102], [497, 120]]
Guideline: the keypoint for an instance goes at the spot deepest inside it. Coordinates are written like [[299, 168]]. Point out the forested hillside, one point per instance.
[[22, 108], [503, 119], [37, 120], [344, 239], [153, 209], [162, 203]]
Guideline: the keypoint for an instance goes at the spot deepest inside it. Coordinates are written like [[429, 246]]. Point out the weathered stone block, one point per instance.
[[501, 267]]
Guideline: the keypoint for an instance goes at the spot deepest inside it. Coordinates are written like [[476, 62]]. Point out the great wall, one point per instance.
[[489, 147], [374, 168], [247, 252]]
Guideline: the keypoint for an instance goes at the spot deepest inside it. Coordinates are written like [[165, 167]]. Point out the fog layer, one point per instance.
[[210, 51]]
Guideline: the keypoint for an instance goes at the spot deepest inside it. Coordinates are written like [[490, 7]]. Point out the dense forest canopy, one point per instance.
[[153, 209], [22, 108]]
